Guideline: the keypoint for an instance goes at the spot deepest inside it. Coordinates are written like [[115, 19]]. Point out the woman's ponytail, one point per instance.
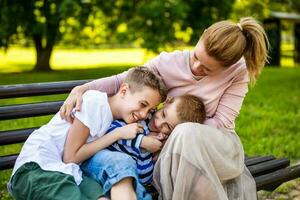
[[227, 42]]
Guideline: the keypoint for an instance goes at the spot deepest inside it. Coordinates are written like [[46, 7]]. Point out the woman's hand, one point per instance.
[[130, 131], [74, 100]]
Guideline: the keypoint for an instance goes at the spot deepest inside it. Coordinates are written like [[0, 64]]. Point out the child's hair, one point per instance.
[[227, 42], [190, 109], [140, 77]]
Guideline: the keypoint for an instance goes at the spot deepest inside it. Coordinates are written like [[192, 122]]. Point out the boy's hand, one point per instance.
[[151, 144], [130, 131]]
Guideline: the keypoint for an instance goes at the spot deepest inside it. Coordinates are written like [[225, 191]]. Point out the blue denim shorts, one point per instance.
[[109, 167]]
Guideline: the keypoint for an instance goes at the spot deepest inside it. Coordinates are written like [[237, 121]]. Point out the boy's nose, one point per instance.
[[197, 64]]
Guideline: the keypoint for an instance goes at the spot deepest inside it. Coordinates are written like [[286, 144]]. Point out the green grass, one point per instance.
[[268, 122], [63, 59], [269, 119]]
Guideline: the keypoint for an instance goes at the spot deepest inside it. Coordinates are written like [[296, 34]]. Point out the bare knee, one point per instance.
[[123, 190]]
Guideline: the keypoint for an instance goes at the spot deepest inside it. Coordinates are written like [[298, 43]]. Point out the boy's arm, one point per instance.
[[135, 143], [151, 144], [77, 150]]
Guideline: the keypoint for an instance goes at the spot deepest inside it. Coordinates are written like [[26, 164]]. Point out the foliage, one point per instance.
[[261, 9], [39, 20], [255, 8], [150, 24]]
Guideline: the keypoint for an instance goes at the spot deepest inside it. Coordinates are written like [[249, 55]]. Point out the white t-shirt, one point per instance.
[[45, 146]]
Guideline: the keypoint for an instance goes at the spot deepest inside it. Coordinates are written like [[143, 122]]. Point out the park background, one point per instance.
[[57, 40]]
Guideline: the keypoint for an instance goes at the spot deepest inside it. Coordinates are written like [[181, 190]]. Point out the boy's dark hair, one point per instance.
[[140, 77], [190, 109]]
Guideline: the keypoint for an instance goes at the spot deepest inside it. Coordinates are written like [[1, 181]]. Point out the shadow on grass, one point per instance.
[[60, 75]]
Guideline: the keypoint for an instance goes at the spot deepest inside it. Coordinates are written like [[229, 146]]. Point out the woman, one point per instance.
[[203, 161]]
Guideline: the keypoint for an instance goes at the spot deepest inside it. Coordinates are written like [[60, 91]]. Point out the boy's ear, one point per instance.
[[169, 100], [124, 88]]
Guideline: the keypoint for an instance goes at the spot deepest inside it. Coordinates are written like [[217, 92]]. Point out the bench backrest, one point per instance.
[[268, 171], [30, 109]]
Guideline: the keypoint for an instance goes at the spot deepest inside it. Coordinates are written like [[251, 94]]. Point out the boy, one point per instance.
[[127, 158], [47, 167]]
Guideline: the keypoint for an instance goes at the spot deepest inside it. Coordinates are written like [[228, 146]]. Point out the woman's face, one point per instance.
[[202, 64]]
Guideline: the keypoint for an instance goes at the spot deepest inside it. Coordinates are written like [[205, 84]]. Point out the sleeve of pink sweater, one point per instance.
[[230, 103], [110, 85]]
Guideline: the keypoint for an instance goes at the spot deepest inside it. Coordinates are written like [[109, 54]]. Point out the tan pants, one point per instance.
[[201, 162]]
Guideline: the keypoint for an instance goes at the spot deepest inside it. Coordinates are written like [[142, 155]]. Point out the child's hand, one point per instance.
[[151, 144], [130, 131]]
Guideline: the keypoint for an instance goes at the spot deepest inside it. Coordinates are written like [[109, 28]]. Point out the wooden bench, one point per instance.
[[269, 172]]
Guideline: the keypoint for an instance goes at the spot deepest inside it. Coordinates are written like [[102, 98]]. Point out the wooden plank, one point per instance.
[[15, 136], [29, 110], [258, 159], [268, 166], [272, 180], [35, 89], [7, 162]]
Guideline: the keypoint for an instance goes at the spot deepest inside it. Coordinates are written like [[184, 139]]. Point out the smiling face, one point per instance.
[[165, 119], [202, 64], [136, 106]]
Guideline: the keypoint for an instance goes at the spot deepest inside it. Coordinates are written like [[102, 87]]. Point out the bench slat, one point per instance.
[[15, 136], [35, 89], [29, 110], [268, 166], [272, 180], [257, 160], [7, 162]]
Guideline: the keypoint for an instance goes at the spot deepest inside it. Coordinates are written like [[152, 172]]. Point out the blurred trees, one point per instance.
[[40, 21], [148, 23], [261, 9]]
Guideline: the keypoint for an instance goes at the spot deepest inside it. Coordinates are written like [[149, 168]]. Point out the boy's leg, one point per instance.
[[31, 182], [125, 186], [110, 167]]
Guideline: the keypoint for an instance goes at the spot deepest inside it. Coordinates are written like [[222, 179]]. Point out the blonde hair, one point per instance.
[[228, 42], [190, 108], [140, 77]]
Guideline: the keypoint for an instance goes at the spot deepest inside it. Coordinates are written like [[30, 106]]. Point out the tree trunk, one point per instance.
[[43, 60], [43, 54]]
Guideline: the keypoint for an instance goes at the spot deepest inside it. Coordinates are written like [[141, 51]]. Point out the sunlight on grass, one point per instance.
[[19, 59], [287, 53]]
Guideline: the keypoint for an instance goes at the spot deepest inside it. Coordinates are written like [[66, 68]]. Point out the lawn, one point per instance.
[[64, 59], [268, 122]]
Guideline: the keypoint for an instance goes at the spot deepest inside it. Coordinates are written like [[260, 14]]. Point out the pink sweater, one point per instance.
[[222, 94]]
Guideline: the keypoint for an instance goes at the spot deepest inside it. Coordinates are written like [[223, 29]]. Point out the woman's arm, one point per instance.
[[230, 103], [76, 149], [110, 85]]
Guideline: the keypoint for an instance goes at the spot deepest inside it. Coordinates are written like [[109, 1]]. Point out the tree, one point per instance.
[[148, 23], [155, 23], [39, 20]]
